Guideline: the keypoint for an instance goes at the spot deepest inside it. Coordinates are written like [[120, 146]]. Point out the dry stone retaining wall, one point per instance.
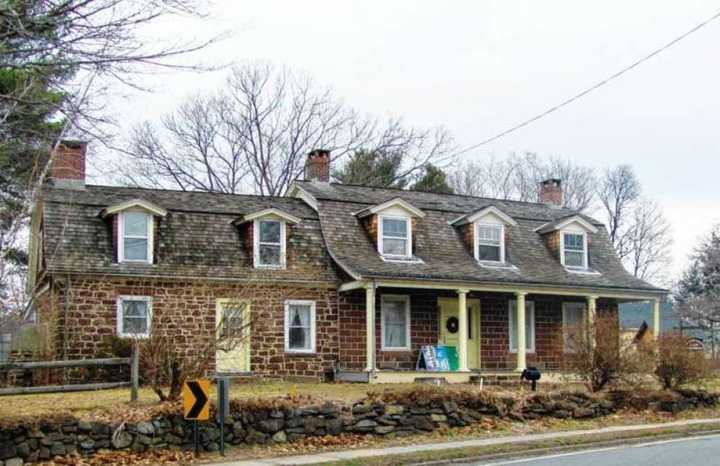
[[285, 423]]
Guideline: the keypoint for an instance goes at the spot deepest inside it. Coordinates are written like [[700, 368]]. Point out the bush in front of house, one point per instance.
[[597, 355], [677, 365]]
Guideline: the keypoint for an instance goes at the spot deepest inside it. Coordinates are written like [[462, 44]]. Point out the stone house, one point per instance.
[[332, 279]]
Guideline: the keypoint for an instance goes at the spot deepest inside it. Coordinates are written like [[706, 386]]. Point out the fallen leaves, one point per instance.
[[109, 457]]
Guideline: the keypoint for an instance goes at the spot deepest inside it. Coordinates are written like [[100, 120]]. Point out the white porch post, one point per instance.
[[591, 315], [369, 328], [520, 322], [656, 318], [462, 330]]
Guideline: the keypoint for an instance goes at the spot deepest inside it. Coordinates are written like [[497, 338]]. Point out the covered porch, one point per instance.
[[496, 330]]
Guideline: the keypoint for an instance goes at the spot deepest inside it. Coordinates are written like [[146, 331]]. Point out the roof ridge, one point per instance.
[[168, 190], [443, 194]]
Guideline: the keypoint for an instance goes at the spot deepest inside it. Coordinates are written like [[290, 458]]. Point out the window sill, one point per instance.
[[301, 352], [497, 265], [133, 335], [526, 352], [396, 350], [580, 271], [402, 260], [269, 267]]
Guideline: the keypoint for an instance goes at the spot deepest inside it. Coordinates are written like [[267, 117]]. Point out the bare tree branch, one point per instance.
[[254, 134]]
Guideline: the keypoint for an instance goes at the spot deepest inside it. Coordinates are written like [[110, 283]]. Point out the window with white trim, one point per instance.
[[300, 326], [489, 242], [574, 250], [134, 314], [136, 237], [395, 323], [529, 326], [269, 243], [395, 236], [573, 325]]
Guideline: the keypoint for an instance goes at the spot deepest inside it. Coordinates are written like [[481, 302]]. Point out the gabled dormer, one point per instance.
[[265, 234], [569, 240], [133, 230], [485, 233], [391, 226]]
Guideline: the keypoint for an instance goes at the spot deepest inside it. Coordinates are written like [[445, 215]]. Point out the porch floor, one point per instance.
[[487, 377]]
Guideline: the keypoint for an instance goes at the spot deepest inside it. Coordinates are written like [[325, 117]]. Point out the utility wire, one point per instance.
[[588, 90]]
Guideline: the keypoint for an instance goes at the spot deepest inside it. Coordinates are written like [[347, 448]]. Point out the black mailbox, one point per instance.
[[531, 374]]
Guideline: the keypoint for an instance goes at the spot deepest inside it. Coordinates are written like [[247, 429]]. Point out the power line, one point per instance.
[[589, 89]]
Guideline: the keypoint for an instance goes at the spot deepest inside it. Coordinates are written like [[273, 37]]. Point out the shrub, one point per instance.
[[603, 359], [114, 346], [676, 364]]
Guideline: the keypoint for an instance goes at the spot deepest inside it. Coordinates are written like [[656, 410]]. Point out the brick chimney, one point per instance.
[[317, 167], [551, 192], [67, 169]]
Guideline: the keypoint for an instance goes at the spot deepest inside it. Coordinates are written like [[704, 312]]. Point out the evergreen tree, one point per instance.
[[434, 180], [372, 168]]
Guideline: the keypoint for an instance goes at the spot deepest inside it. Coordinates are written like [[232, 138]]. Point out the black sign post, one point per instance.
[[223, 392]]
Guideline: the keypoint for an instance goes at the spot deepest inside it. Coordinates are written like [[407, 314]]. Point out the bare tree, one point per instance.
[[648, 242], [517, 177], [57, 58], [254, 134], [618, 190]]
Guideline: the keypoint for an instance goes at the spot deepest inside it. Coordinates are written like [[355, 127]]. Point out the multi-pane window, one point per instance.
[[133, 316], [136, 237], [300, 326], [233, 322], [270, 245], [529, 326], [395, 237], [574, 253], [395, 322], [573, 326], [490, 245]]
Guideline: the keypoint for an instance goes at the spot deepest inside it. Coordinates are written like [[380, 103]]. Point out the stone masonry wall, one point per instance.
[[277, 423], [186, 310]]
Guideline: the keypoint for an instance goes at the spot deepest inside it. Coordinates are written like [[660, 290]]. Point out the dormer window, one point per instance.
[[136, 235], [395, 237], [568, 238], [270, 243], [574, 250], [135, 229], [490, 242], [390, 226], [266, 233], [483, 233]]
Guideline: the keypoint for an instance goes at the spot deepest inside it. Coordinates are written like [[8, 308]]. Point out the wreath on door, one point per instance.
[[452, 324]]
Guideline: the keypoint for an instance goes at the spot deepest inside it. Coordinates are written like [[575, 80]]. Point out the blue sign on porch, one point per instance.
[[448, 358], [438, 358]]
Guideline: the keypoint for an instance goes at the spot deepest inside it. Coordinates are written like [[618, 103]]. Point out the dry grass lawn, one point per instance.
[[107, 401]]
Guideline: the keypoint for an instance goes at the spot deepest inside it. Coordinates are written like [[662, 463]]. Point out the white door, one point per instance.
[[233, 336]]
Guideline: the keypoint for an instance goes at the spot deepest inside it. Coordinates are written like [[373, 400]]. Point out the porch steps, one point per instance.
[[496, 380]]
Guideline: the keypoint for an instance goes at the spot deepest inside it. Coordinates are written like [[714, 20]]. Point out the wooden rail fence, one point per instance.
[[133, 383]]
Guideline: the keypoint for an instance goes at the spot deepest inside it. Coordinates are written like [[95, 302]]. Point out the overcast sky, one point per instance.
[[479, 67]]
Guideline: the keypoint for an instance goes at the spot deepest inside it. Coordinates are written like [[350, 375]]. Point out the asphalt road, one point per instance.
[[703, 451]]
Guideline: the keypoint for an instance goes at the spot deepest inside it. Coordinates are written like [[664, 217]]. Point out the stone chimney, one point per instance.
[[67, 169], [317, 167], [551, 192]]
